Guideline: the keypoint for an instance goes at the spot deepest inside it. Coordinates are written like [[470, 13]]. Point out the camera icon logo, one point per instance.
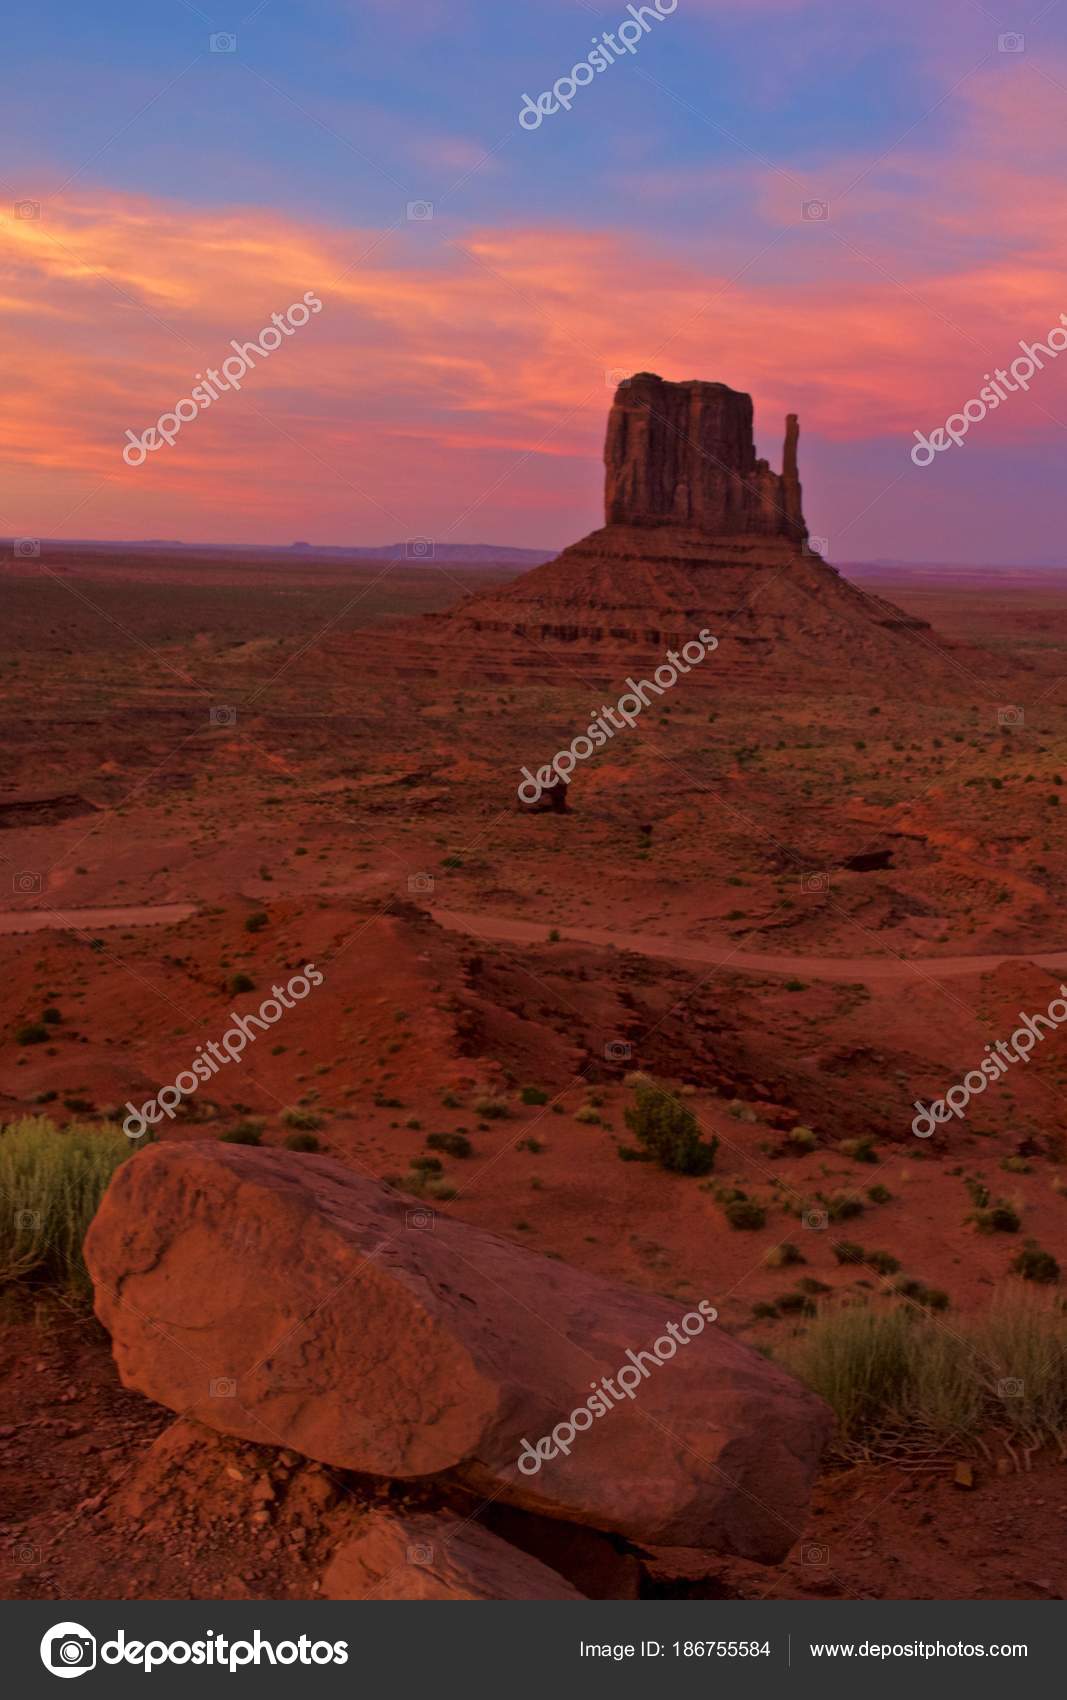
[[26, 884], [617, 1051], [418, 210], [1011, 42], [27, 209], [421, 883], [419, 548], [224, 42], [816, 211], [1009, 1387], [617, 377], [1011, 715], [817, 883], [815, 1553], [818, 546], [26, 548], [421, 1220], [420, 1553], [28, 1221], [68, 1649], [223, 1387], [817, 1220], [222, 716]]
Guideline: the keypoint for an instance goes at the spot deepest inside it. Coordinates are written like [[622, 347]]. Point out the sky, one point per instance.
[[853, 212]]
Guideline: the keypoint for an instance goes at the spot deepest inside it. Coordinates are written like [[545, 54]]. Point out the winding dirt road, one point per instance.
[[89, 920], [722, 953]]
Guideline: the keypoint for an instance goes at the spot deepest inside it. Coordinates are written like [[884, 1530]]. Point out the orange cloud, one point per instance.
[[458, 376]]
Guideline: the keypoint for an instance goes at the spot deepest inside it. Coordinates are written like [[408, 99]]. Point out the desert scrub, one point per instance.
[[744, 1213], [1033, 1264], [901, 1384], [302, 1142], [491, 1109], [244, 1133], [669, 1131], [452, 1144], [859, 1150], [302, 1121], [996, 1219], [533, 1095], [31, 1033], [51, 1183], [782, 1256]]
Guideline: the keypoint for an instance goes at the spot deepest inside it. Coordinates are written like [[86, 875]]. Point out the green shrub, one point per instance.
[[491, 1109], [879, 1194], [897, 1380], [51, 1016], [996, 1219], [843, 1206], [428, 1165], [31, 1033], [795, 1304], [533, 1095], [587, 1115], [256, 922], [931, 1298], [781, 1256], [452, 1144], [51, 1184], [745, 1213], [244, 1133], [860, 1150], [240, 983], [304, 1121], [847, 1252], [302, 1142], [669, 1131], [1033, 1264], [803, 1139]]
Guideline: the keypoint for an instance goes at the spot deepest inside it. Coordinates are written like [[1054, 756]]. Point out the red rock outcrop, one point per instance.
[[684, 455], [699, 534], [425, 1557], [288, 1301]]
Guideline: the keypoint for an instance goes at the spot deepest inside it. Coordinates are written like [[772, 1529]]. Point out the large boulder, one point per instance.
[[286, 1300], [424, 1557]]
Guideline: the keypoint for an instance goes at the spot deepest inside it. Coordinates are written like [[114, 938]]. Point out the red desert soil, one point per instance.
[[355, 786]]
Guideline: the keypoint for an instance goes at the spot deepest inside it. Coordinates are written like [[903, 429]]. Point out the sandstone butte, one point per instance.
[[283, 1299], [699, 533]]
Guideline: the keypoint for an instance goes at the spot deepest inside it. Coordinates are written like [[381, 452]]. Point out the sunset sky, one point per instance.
[[455, 384]]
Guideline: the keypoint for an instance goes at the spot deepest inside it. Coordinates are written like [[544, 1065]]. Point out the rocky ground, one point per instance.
[[358, 789]]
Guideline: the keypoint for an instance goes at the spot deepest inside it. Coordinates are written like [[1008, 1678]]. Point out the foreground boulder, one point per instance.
[[286, 1300], [423, 1557]]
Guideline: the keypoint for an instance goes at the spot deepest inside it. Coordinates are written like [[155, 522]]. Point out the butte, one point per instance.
[[698, 533]]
